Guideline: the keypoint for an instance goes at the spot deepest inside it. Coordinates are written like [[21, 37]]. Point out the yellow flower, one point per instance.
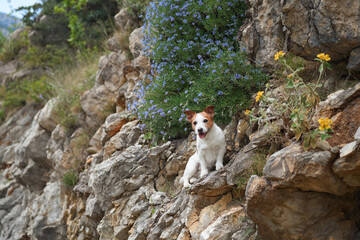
[[278, 55], [259, 95], [247, 112], [324, 56], [325, 123], [289, 76]]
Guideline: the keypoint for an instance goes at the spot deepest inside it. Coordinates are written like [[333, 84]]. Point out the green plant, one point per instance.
[[70, 179], [11, 47], [2, 116], [258, 161], [196, 63], [70, 80], [50, 56], [39, 90], [20, 92], [84, 17], [2, 40], [30, 13], [295, 105]]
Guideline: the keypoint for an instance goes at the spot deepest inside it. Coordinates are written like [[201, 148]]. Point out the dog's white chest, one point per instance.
[[210, 154]]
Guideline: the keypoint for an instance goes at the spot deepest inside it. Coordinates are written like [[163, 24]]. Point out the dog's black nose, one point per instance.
[[200, 130]]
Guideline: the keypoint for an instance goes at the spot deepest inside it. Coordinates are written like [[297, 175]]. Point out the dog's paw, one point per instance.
[[219, 166], [187, 185], [203, 173]]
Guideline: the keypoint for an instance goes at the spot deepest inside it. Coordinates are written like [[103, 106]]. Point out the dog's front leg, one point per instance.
[[220, 157], [203, 166]]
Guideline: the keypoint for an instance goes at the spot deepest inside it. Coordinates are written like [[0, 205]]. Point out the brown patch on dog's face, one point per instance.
[[190, 115], [208, 121]]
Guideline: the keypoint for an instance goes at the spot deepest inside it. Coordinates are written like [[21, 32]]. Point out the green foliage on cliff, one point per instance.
[[196, 63], [11, 48]]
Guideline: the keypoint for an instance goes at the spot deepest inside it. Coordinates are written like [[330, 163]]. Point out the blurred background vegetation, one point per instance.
[[61, 41]]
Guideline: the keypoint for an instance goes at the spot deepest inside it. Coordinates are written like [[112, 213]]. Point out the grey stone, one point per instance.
[[348, 168], [48, 117], [288, 213], [123, 172], [47, 211], [135, 39], [308, 171], [93, 208], [55, 145], [348, 149], [102, 96], [12, 130], [275, 26], [158, 198], [354, 60], [33, 145], [226, 225], [357, 135]]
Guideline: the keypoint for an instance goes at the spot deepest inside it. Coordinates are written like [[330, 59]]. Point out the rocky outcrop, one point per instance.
[[310, 195], [287, 213], [325, 26], [129, 189]]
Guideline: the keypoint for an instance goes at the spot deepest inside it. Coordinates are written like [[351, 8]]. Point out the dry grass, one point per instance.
[[70, 80]]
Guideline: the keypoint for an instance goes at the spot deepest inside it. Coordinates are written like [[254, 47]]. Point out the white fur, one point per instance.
[[210, 152]]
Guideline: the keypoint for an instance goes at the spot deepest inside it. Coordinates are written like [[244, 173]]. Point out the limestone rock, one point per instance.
[[357, 135], [47, 211], [14, 217], [47, 117], [99, 100], [292, 214], [348, 149], [339, 98], [114, 123], [128, 135], [123, 20], [274, 26], [96, 143], [14, 128], [213, 184], [348, 168], [114, 43], [33, 145], [354, 60], [227, 224], [136, 46], [55, 145], [125, 171], [308, 171]]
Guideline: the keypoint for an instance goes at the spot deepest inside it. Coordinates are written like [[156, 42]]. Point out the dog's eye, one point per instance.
[[195, 122], [205, 120]]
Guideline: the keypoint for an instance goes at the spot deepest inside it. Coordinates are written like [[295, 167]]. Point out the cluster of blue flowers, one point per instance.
[[195, 62]]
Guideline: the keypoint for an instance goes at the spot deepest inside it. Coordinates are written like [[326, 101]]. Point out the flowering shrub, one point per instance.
[[196, 62], [295, 105]]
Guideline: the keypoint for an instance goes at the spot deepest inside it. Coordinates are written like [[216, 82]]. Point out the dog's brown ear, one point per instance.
[[210, 110], [190, 115]]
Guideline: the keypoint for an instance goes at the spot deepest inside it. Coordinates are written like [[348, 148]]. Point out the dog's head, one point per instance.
[[201, 122]]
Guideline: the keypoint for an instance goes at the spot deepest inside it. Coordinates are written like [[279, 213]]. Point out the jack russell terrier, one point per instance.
[[210, 146]]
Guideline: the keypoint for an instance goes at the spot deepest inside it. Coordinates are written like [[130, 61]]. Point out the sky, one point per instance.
[[7, 6]]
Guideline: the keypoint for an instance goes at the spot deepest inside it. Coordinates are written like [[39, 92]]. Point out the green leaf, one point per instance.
[[324, 136], [313, 143], [306, 142]]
